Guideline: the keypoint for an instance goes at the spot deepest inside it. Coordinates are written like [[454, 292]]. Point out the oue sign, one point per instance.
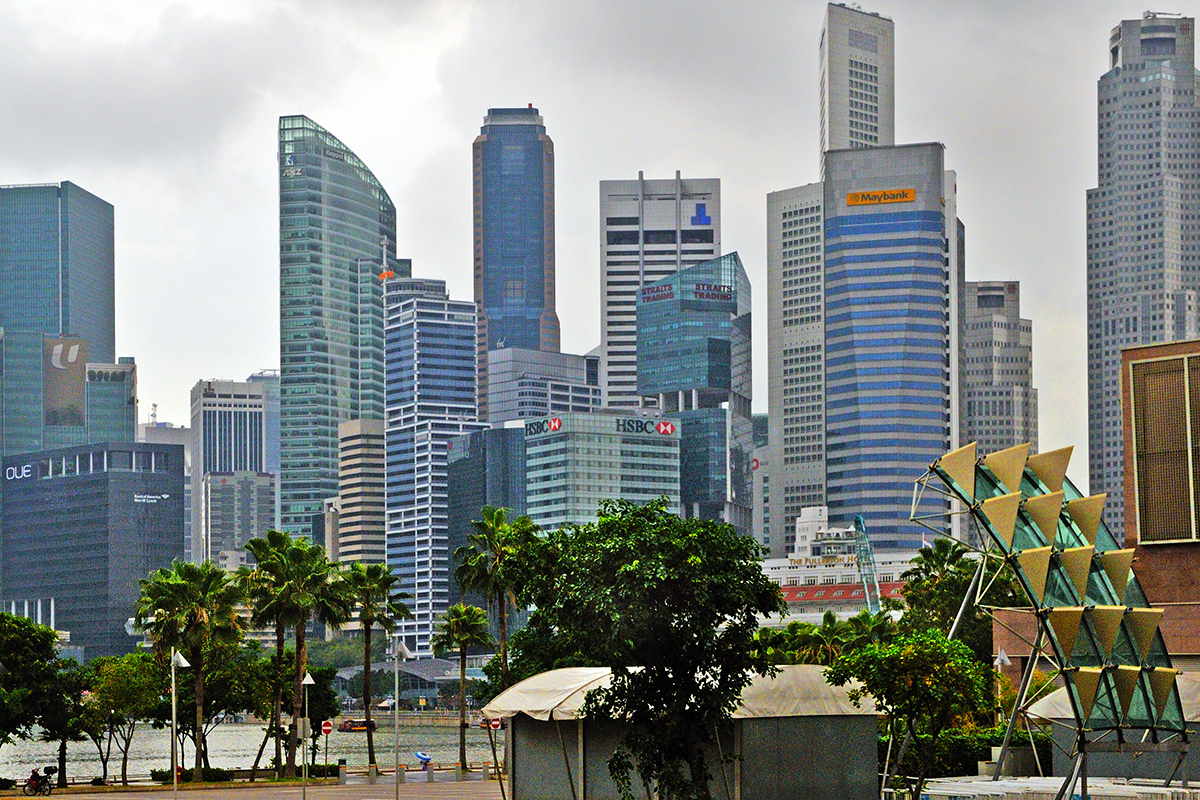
[[17, 473]]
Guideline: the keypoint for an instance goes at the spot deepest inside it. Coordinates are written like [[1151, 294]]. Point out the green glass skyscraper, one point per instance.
[[337, 239]]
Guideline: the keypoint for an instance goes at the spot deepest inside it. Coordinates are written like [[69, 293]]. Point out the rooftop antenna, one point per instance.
[[153, 415]]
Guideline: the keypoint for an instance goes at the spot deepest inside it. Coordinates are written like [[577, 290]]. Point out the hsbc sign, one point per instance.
[[543, 426], [659, 427], [662, 427]]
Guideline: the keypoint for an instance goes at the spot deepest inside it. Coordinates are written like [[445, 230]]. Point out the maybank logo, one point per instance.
[[881, 196]]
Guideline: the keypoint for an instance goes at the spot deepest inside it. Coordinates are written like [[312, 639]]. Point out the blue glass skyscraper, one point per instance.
[[337, 238], [888, 341], [514, 236], [430, 401], [694, 357]]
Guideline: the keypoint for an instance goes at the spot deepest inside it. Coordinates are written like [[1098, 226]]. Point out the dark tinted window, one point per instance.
[[660, 237], [703, 236], [622, 237], [621, 221]]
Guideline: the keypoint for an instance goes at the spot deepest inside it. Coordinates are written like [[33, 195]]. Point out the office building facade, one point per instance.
[[649, 229], [1142, 261], [525, 384], [431, 399], [235, 507], [998, 401], [337, 242], [83, 525], [574, 461], [362, 494], [694, 358], [858, 83], [57, 265], [514, 236], [485, 468], [865, 286], [228, 436], [159, 432]]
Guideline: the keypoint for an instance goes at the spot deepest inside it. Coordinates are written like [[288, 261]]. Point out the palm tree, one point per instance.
[[313, 589], [375, 592], [865, 628], [824, 643], [188, 607], [492, 565], [265, 586], [939, 560], [461, 627]]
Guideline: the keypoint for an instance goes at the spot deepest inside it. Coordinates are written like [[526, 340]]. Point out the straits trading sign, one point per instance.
[[879, 196]]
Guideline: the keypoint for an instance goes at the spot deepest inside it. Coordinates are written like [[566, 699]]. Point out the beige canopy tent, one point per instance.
[[781, 733], [1057, 705]]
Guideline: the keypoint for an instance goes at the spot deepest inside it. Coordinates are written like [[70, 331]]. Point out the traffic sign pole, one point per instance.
[[327, 728]]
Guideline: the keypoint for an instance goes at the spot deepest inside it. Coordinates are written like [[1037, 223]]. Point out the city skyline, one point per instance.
[[174, 183]]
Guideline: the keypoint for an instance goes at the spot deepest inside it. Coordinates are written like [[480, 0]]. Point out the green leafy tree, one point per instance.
[[63, 720], [190, 607], [680, 599], [27, 682], [376, 594], [344, 651], [461, 628], [494, 565], [920, 681], [322, 705], [126, 691], [935, 585], [237, 680]]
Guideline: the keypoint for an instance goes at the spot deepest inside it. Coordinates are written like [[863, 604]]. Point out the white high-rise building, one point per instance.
[[649, 229], [858, 84], [1143, 265]]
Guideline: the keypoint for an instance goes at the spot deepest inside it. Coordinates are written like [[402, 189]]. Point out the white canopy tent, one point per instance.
[[789, 719], [1057, 705]]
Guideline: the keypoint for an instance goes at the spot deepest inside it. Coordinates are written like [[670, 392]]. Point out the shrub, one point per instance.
[[210, 775], [959, 752]]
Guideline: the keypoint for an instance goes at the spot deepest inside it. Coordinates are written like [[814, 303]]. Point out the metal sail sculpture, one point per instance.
[[1094, 621]]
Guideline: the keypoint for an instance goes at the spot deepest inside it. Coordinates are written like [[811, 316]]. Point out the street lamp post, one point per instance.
[[177, 660], [399, 647], [307, 682]]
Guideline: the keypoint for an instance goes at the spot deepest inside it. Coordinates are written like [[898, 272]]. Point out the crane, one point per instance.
[[865, 556]]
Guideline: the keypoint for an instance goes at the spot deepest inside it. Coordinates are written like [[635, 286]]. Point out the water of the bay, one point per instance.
[[233, 746]]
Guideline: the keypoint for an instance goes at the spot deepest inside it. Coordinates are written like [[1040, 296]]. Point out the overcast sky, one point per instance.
[[169, 111]]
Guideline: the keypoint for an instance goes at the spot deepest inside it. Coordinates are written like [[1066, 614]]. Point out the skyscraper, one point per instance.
[[525, 384], [337, 238], [649, 229], [865, 274], [858, 84], [694, 358], [514, 236], [57, 265], [998, 401], [431, 399], [1143, 265], [228, 436]]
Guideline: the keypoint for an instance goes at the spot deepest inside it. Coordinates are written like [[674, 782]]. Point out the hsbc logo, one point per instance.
[[662, 427], [543, 426]]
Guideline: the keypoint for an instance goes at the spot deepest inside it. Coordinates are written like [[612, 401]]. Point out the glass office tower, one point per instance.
[[337, 238], [693, 356], [56, 264], [430, 401], [514, 236]]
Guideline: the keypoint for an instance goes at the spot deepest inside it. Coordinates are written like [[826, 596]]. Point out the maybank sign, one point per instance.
[[879, 196]]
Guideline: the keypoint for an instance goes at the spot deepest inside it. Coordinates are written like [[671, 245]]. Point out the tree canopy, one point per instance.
[[680, 599], [27, 682]]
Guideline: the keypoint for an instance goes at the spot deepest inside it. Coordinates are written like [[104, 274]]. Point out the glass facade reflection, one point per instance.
[[514, 235], [693, 349], [337, 237]]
